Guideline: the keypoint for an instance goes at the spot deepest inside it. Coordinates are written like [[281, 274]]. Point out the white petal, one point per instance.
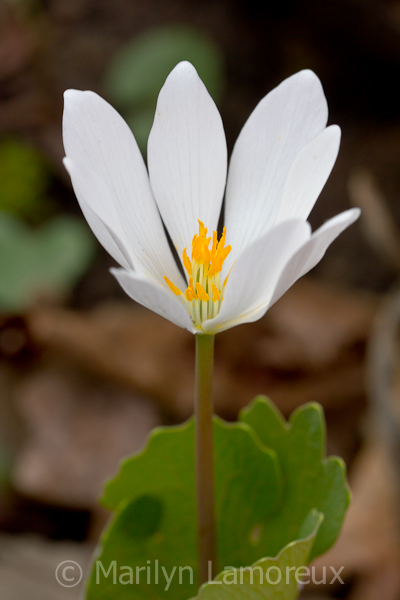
[[306, 258], [154, 296], [308, 174], [301, 262], [279, 127], [102, 218], [187, 156], [313, 251], [256, 271], [98, 139]]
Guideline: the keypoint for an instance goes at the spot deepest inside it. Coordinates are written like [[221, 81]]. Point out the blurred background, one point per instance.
[[85, 373]]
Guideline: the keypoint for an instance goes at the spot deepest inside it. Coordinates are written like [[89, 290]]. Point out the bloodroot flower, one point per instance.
[[279, 165]]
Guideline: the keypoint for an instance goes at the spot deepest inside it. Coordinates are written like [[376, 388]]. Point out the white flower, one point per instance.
[[278, 168]]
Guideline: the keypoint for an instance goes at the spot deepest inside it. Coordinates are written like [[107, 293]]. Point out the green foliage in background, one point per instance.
[[24, 178], [271, 477], [138, 71], [5, 465], [42, 263]]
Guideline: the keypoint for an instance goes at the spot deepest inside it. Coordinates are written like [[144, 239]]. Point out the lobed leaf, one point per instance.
[[273, 488], [310, 479]]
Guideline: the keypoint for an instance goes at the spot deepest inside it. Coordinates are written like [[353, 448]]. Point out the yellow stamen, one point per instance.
[[216, 293], [215, 242], [227, 277], [218, 254], [200, 251], [191, 288], [173, 287], [202, 294], [186, 262]]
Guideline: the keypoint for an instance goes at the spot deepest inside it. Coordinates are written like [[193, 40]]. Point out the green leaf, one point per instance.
[[266, 498], [311, 480], [154, 499], [44, 262], [269, 578]]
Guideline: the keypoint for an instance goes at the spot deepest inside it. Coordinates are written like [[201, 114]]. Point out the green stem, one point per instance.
[[204, 454]]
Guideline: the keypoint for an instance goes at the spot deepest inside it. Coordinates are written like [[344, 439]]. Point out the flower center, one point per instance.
[[204, 294]]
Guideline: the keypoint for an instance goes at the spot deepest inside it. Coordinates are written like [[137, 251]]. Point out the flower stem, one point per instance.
[[204, 454]]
